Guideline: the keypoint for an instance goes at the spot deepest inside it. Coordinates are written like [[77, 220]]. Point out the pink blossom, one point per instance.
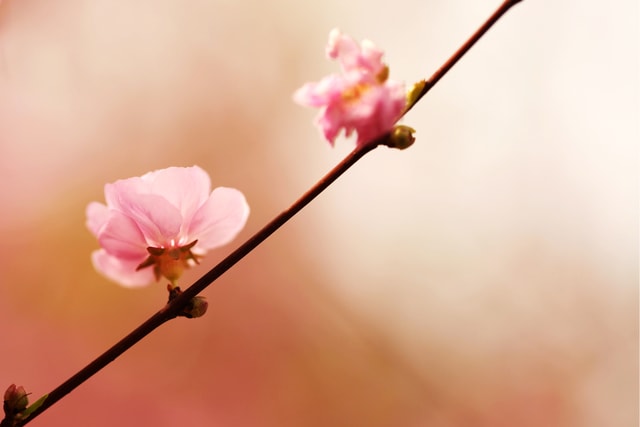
[[361, 98], [162, 222]]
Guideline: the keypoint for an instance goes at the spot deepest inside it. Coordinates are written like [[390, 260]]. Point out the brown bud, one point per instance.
[[15, 400], [197, 307]]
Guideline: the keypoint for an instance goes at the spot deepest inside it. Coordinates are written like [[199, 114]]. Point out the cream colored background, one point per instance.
[[487, 276]]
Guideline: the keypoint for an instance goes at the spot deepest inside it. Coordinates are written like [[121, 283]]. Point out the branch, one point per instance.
[[176, 306], [440, 72]]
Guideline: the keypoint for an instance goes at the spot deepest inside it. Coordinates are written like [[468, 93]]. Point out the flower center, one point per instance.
[[170, 262], [353, 93]]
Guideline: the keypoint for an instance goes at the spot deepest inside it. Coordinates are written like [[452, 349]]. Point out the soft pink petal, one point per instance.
[[330, 121], [370, 58], [342, 48], [119, 192], [121, 271], [157, 219], [364, 58], [185, 188], [317, 94], [97, 216], [122, 238], [309, 96], [220, 219], [377, 111]]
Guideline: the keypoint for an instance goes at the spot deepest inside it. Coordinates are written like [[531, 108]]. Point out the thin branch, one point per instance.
[[440, 72], [175, 306]]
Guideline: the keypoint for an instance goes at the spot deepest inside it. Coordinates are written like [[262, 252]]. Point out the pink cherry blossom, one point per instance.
[[162, 222], [361, 98]]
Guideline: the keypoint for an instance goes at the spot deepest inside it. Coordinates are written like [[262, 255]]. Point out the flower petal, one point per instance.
[[370, 58], [116, 194], [342, 48], [121, 271], [121, 237], [365, 58], [378, 111], [97, 216], [185, 188], [318, 94], [157, 219], [330, 121], [220, 219]]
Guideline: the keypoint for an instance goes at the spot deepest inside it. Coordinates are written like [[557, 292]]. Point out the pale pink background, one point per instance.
[[487, 276]]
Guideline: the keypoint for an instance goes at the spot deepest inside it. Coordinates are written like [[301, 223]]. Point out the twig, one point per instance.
[[176, 306], [504, 8]]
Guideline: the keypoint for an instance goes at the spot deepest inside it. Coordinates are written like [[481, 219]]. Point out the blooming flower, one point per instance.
[[361, 98], [161, 223]]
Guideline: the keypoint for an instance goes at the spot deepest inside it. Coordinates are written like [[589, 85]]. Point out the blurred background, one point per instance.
[[487, 276]]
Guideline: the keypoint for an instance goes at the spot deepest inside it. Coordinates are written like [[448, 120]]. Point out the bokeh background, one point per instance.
[[487, 276]]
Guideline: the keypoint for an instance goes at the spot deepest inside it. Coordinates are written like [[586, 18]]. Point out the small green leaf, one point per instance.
[[35, 405], [415, 93]]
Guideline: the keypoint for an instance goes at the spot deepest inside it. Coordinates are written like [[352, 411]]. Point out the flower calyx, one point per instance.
[[170, 262]]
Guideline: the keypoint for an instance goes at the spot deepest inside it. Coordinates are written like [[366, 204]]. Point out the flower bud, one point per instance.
[[15, 400], [197, 307], [401, 137]]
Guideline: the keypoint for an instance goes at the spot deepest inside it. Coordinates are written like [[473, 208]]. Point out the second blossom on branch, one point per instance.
[[361, 99]]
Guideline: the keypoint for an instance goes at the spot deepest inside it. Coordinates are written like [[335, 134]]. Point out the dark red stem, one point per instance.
[[176, 306]]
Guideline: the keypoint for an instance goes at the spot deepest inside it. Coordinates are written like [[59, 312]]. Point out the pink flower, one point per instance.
[[160, 223], [361, 99]]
